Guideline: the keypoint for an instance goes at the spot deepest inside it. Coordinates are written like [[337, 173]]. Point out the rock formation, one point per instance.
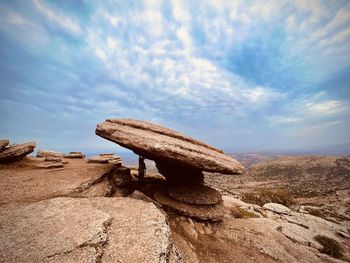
[[106, 158], [75, 155], [16, 152], [3, 144], [180, 159], [47, 153]]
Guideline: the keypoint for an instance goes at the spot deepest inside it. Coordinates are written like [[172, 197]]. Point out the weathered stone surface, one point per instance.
[[277, 208], [53, 159], [50, 165], [22, 182], [48, 153], [211, 213], [106, 158], [16, 152], [3, 144], [75, 155], [84, 230], [162, 144], [195, 195]]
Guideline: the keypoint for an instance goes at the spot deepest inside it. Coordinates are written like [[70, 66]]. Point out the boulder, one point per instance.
[[277, 208], [85, 230], [75, 155], [16, 152], [3, 144], [162, 144], [48, 153]]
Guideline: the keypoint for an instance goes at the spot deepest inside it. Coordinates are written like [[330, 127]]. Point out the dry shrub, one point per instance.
[[330, 246], [238, 212], [263, 196]]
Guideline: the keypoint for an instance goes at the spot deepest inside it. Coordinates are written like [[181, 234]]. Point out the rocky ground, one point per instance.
[[73, 214]]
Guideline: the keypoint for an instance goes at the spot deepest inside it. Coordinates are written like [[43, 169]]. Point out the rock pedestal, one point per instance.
[[180, 159]]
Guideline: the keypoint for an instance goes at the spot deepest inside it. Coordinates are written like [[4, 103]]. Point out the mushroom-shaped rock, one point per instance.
[[16, 152], [181, 160], [167, 146]]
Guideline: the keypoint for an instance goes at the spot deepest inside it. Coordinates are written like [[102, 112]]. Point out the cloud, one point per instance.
[[63, 21], [218, 67]]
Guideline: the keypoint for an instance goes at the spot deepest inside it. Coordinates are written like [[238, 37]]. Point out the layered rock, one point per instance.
[[164, 145], [75, 155], [3, 144], [49, 153], [180, 159], [106, 158], [16, 152]]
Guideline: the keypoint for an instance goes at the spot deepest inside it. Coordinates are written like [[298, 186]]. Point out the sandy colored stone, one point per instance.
[[195, 194], [84, 230], [3, 144], [159, 143], [75, 155], [105, 159], [210, 213], [22, 182], [16, 152], [277, 208], [50, 165], [49, 153], [53, 159]]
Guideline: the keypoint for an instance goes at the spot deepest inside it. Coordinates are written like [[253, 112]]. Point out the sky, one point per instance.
[[241, 75]]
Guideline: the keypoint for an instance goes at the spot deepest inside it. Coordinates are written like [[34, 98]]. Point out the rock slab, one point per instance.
[[49, 153], [16, 152], [277, 208], [77, 230], [165, 145]]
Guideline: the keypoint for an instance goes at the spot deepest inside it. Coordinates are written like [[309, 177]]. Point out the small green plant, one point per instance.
[[263, 196], [330, 246]]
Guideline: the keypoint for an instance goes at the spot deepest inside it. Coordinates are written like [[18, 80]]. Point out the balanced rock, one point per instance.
[[164, 145], [3, 144], [47, 153], [16, 152], [76, 155], [181, 160]]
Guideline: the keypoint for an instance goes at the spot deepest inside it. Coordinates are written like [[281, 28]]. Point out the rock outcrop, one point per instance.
[[180, 159], [75, 155], [48, 153], [3, 144], [16, 152], [167, 146], [106, 158], [84, 230]]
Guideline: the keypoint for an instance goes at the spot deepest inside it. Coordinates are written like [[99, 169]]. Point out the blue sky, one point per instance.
[[241, 75]]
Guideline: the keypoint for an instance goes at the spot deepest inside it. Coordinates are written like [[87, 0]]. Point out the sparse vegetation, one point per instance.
[[330, 246], [238, 212], [264, 196]]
